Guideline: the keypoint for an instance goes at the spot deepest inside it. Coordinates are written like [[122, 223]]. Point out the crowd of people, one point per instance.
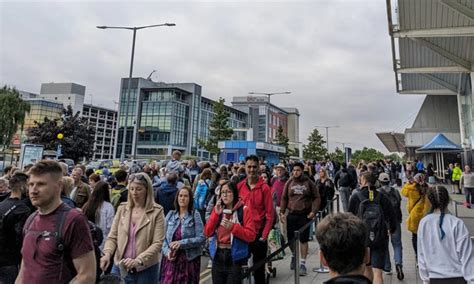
[[152, 224]]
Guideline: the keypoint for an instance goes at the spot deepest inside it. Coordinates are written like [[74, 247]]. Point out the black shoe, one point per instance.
[[400, 274], [292, 264]]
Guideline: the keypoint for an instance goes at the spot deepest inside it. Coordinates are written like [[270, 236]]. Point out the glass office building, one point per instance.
[[165, 117]]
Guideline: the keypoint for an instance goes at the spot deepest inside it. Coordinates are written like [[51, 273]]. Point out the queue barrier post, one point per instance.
[[455, 205], [297, 257]]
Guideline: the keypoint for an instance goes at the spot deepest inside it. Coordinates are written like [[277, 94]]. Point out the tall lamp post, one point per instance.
[[327, 133], [134, 29]]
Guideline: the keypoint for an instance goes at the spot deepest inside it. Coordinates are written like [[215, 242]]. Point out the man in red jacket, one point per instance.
[[257, 195]]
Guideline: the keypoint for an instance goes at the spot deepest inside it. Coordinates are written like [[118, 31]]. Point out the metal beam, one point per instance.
[[444, 53], [437, 69], [458, 7], [440, 32], [440, 82], [442, 92]]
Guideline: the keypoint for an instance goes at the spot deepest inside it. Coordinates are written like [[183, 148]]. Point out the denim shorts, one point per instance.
[[377, 258]]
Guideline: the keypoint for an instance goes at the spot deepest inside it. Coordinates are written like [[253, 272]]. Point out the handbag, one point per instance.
[[274, 244]]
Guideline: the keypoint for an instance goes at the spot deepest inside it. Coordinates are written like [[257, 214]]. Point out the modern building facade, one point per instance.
[[433, 55], [65, 93], [39, 109], [54, 98], [105, 122], [265, 119], [162, 117], [293, 128]]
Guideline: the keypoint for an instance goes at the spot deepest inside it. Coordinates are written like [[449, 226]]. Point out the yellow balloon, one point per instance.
[[60, 136]]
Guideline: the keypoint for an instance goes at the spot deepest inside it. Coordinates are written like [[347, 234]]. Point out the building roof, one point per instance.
[[99, 107], [256, 100], [226, 106], [439, 143], [435, 44], [394, 142]]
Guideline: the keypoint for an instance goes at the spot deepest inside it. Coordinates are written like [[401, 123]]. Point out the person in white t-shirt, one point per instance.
[[445, 253]]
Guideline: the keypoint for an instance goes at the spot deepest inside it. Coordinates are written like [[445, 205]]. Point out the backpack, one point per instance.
[[115, 195], [371, 214], [201, 195], [96, 233], [394, 198], [3, 236]]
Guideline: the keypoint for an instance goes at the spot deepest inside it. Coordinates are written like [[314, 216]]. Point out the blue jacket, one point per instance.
[[165, 195], [191, 231]]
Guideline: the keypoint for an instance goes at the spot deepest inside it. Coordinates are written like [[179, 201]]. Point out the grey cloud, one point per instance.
[[333, 55]]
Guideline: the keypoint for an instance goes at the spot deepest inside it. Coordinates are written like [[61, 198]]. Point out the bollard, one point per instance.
[[455, 205], [337, 203], [297, 257]]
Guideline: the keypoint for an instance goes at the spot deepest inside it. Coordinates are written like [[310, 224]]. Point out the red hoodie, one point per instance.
[[259, 199]]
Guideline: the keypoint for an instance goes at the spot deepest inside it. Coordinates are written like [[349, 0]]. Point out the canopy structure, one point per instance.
[[438, 145], [394, 142]]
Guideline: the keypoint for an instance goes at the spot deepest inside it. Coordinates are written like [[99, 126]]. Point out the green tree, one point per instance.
[[367, 154], [78, 139], [12, 114], [219, 129], [294, 152], [283, 140], [394, 157], [337, 155], [315, 149]]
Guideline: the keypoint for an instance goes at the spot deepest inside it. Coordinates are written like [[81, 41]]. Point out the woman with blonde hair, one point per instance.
[[68, 185], [137, 235]]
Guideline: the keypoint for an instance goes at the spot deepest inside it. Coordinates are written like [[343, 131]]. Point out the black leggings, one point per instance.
[[414, 240]]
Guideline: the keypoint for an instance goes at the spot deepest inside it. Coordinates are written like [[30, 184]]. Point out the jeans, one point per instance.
[[469, 191], [149, 275], [8, 274], [396, 240], [259, 251], [345, 194], [224, 270]]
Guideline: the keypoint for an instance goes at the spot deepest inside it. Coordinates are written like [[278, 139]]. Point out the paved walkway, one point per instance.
[[285, 275]]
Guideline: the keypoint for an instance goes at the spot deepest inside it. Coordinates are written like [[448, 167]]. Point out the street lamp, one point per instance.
[[270, 94], [327, 133], [134, 29]]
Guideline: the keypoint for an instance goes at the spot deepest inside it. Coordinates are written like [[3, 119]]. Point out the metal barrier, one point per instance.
[[247, 272]]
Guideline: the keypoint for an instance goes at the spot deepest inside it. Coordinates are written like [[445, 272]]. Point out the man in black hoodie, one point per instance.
[[342, 246], [343, 181], [13, 215]]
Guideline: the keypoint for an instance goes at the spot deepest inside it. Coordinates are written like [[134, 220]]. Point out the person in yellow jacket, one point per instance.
[[418, 204], [457, 173]]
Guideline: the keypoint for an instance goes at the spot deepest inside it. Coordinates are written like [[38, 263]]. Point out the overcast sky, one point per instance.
[[334, 56]]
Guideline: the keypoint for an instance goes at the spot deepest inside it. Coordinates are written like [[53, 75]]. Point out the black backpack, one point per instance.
[[371, 213], [394, 198], [3, 233], [96, 233]]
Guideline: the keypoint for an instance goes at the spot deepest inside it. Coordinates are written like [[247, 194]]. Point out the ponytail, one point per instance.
[[441, 218]]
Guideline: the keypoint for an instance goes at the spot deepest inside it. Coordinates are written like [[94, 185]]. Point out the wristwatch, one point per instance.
[[140, 262]]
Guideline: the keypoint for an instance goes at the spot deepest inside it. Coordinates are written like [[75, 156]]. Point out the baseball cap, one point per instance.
[[280, 165], [383, 177]]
